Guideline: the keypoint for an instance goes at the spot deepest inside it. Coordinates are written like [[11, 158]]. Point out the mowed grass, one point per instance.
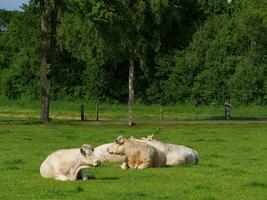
[[232, 162]]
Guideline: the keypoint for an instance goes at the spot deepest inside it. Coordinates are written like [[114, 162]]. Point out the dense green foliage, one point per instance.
[[185, 51], [232, 163], [226, 60]]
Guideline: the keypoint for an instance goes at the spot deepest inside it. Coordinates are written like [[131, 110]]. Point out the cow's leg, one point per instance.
[[124, 165], [61, 178], [84, 175], [143, 166]]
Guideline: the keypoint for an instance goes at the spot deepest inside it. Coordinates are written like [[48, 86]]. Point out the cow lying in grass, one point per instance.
[[139, 155], [68, 164], [175, 154], [102, 154]]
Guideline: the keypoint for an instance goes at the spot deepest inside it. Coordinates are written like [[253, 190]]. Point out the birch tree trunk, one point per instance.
[[131, 92]]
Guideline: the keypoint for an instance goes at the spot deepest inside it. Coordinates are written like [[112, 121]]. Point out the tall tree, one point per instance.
[[139, 31], [48, 44], [125, 35]]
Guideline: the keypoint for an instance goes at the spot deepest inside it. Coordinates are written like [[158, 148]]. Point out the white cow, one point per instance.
[[175, 154], [67, 164], [139, 155], [102, 154]]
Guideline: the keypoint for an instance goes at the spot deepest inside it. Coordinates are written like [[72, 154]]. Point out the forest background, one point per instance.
[[198, 52]]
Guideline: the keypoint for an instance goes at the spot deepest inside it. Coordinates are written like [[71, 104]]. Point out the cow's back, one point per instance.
[[175, 154]]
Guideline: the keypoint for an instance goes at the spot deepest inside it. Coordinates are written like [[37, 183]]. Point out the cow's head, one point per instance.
[[118, 146], [88, 157]]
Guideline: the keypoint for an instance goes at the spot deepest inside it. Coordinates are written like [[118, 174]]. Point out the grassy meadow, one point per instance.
[[232, 162], [232, 153]]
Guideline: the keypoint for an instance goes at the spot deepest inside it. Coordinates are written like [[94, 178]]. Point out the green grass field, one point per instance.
[[232, 162]]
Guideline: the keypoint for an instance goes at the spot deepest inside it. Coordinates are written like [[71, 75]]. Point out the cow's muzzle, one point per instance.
[[97, 163]]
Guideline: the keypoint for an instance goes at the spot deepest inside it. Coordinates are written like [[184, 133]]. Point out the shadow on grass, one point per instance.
[[216, 156], [183, 165], [201, 187], [64, 193], [134, 195], [32, 121], [107, 179], [239, 118], [14, 164], [19, 121], [92, 177], [234, 171], [257, 184]]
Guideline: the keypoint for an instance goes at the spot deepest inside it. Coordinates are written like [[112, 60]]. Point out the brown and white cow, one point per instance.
[[175, 154], [139, 155], [68, 164]]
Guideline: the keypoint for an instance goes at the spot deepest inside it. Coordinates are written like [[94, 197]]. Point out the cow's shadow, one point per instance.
[[107, 178], [92, 177]]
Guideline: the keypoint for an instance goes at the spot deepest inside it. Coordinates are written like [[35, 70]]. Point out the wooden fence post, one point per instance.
[[161, 110], [227, 109], [82, 112], [97, 112]]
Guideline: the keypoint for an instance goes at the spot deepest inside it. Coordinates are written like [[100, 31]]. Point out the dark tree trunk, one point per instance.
[[45, 83], [47, 53], [53, 37], [131, 92]]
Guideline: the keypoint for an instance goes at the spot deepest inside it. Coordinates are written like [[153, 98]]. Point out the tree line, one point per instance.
[[170, 51]]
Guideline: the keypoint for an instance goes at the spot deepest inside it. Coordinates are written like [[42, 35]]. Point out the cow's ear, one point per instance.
[[85, 148], [120, 140], [150, 137], [82, 152]]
